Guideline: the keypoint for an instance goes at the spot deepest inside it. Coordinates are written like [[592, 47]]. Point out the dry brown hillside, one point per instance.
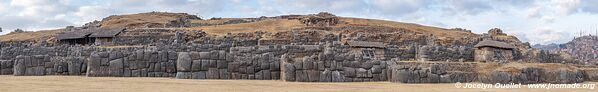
[[382, 30], [151, 19], [30, 35]]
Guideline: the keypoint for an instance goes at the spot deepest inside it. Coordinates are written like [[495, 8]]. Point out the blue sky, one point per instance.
[[536, 21]]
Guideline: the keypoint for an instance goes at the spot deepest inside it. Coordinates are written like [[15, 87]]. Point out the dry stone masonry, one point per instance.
[[319, 52]]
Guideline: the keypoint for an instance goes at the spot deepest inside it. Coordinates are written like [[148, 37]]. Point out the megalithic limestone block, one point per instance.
[[93, 66], [116, 68], [184, 62], [19, 68]]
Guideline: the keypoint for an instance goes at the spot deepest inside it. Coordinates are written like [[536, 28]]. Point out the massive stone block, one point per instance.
[[204, 55], [116, 67], [213, 73], [183, 75], [194, 55], [196, 66], [93, 66], [184, 62], [222, 64], [20, 67], [205, 65], [349, 72], [289, 72], [75, 66]]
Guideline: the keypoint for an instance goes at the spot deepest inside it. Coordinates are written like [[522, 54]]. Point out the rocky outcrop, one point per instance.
[[320, 19]]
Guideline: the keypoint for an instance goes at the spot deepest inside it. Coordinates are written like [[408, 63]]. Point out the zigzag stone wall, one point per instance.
[[297, 63], [45, 65]]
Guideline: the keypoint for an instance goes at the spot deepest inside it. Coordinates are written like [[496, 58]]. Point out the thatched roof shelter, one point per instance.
[[106, 32], [73, 34], [494, 44], [366, 44]]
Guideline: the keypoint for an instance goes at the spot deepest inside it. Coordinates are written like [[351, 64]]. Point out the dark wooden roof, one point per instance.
[[73, 34], [106, 32], [78, 34], [366, 44], [494, 44]]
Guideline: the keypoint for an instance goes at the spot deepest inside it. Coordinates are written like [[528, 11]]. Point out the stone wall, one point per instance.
[[39, 65], [132, 62], [329, 62], [332, 63], [418, 72], [6, 67], [434, 72]]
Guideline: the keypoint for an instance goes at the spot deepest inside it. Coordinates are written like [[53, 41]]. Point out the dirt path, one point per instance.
[[119, 84]]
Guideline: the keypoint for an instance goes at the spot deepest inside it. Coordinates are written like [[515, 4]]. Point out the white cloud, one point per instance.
[[398, 7], [547, 35], [553, 8], [91, 13]]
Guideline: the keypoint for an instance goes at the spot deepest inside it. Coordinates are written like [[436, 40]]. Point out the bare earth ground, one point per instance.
[[120, 84]]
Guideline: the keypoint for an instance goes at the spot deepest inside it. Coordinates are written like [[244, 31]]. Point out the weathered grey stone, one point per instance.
[[147, 55], [172, 55], [201, 75], [313, 75], [213, 73], [298, 65], [376, 69], [221, 55], [184, 62], [205, 65], [275, 66], [93, 66], [139, 54], [19, 67], [349, 72], [367, 65], [135, 73], [264, 65], [326, 76], [301, 76], [204, 55], [183, 75], [361, 73], [196, 66], [336, 77], [213, 63], [170, 67], [437, 69], [194, 55], [289, 72], [127, 73], [224, 74], [214, 55], [275, 75], [259, 75], [116, 68], [321, 66], [308, 64], [500, 77], [143, 72], [222, 64]]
